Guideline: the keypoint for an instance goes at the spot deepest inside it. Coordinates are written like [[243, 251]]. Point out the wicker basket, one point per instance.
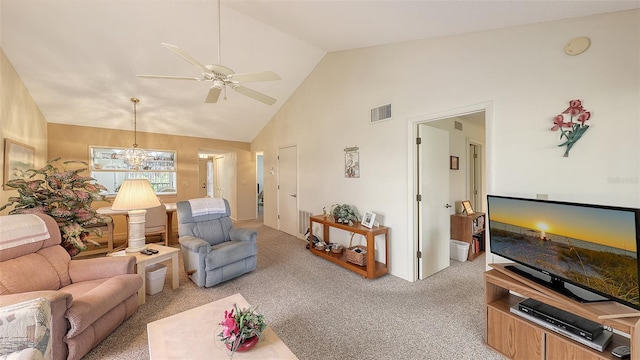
[[358, 258]]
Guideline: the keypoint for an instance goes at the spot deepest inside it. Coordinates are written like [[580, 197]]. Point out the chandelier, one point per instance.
[[135, 157]]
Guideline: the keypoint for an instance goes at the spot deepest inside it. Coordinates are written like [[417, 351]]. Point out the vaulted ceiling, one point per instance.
[[79, 58]]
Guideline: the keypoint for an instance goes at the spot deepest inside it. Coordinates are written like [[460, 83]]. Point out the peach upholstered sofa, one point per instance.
[[89, 298]]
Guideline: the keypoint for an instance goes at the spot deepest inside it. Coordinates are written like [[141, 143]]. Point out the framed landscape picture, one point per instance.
[[18, 158]]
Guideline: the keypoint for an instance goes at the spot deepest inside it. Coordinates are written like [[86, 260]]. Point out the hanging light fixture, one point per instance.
[[135, 157]]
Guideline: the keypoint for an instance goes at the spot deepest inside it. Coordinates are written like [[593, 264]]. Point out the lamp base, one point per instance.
[[131, 249], [136, 231]]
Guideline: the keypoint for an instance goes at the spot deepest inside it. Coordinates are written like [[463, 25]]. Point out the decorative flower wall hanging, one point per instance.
[[577, 117]]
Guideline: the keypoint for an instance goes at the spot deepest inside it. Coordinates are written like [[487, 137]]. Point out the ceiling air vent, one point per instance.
[[381, 113], [457, 125]]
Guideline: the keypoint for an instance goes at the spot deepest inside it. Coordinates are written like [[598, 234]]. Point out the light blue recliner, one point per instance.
[[212, 249]]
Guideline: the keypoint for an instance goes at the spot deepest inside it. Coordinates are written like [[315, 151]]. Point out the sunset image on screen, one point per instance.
[[592, 246]]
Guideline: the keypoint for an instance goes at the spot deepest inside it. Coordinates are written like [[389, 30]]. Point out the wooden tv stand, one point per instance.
[[519, 338], [372, 269]]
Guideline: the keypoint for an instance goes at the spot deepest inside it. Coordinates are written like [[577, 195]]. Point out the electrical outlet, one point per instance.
[[185, 183]]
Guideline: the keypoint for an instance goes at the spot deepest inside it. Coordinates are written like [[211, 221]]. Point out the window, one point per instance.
[[111, 171]]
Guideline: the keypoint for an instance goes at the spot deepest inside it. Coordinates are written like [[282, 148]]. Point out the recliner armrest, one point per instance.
[[101, 268], [241, 234], [194, 244]]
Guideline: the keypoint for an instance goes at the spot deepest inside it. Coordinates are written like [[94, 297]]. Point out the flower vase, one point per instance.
[[246, 345]]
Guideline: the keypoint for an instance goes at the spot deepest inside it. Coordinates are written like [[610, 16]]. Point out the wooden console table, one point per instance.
[[372, 269]]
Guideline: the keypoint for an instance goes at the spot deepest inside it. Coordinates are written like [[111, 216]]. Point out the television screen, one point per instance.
[[570, 247]]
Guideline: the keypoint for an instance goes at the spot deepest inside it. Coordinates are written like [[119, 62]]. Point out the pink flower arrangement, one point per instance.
[[577, 118], [239, 326]]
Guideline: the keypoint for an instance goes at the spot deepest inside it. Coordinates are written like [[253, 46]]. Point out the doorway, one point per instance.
[[465, 126]]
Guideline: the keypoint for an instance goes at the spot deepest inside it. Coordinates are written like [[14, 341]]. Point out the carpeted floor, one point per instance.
[[323, 311]]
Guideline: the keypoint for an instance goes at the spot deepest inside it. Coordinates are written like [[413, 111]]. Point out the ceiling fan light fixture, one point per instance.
[[135, 157], [218, 84]]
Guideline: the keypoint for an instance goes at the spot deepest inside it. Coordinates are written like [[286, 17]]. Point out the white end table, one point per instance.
[[142, 261]]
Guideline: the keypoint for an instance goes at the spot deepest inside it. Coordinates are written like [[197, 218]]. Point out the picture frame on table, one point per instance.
[[18, 158], [466, 206], [368, 219]]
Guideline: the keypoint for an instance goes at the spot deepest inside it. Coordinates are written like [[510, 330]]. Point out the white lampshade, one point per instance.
[[135, 194]]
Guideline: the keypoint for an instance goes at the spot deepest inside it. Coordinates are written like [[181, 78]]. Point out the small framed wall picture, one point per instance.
[[466, 205], [454, 162], [368, 219]]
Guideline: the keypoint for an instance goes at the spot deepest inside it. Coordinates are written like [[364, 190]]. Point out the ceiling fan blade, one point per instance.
[[169, 77], [214, 94], [253, 77], [255, 95], [187, 57]]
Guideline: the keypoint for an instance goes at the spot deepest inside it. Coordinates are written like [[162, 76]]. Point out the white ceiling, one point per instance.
[[79, 58]]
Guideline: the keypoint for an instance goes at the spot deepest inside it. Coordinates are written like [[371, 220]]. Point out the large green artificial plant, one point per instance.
[[66, 196]]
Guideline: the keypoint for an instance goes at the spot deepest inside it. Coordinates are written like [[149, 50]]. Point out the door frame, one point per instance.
[[413, 188]]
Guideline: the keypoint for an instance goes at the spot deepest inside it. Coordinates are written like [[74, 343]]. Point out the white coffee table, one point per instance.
[[142, 261], [193, 334]]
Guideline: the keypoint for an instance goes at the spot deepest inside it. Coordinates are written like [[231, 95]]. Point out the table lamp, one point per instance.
[[135, 196]]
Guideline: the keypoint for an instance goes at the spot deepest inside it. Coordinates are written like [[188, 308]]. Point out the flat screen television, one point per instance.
[[587, 252]]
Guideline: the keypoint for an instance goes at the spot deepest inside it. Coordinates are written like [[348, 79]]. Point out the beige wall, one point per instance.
[[20, 120], [72, 142]]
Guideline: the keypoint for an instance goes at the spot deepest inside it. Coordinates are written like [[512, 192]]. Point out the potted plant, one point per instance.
[[241, 328], [66, 196], [344, 214]]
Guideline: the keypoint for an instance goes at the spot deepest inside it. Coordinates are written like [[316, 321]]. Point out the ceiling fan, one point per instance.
[[221, 76]]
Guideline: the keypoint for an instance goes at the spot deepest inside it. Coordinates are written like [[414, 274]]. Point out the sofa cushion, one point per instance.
[[92, 299], [27, 273]]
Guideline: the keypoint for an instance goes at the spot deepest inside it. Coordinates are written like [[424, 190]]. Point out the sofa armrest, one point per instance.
[[60, 302], [100, 268], [240, 234], [53, 296], [194, 244]]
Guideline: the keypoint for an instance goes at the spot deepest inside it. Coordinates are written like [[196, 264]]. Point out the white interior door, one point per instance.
[[434, 207], [210, 191], [288, 190], [218, 177]]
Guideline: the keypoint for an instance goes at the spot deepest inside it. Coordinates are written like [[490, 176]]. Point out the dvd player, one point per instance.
[[561, 319], [600, 343]]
